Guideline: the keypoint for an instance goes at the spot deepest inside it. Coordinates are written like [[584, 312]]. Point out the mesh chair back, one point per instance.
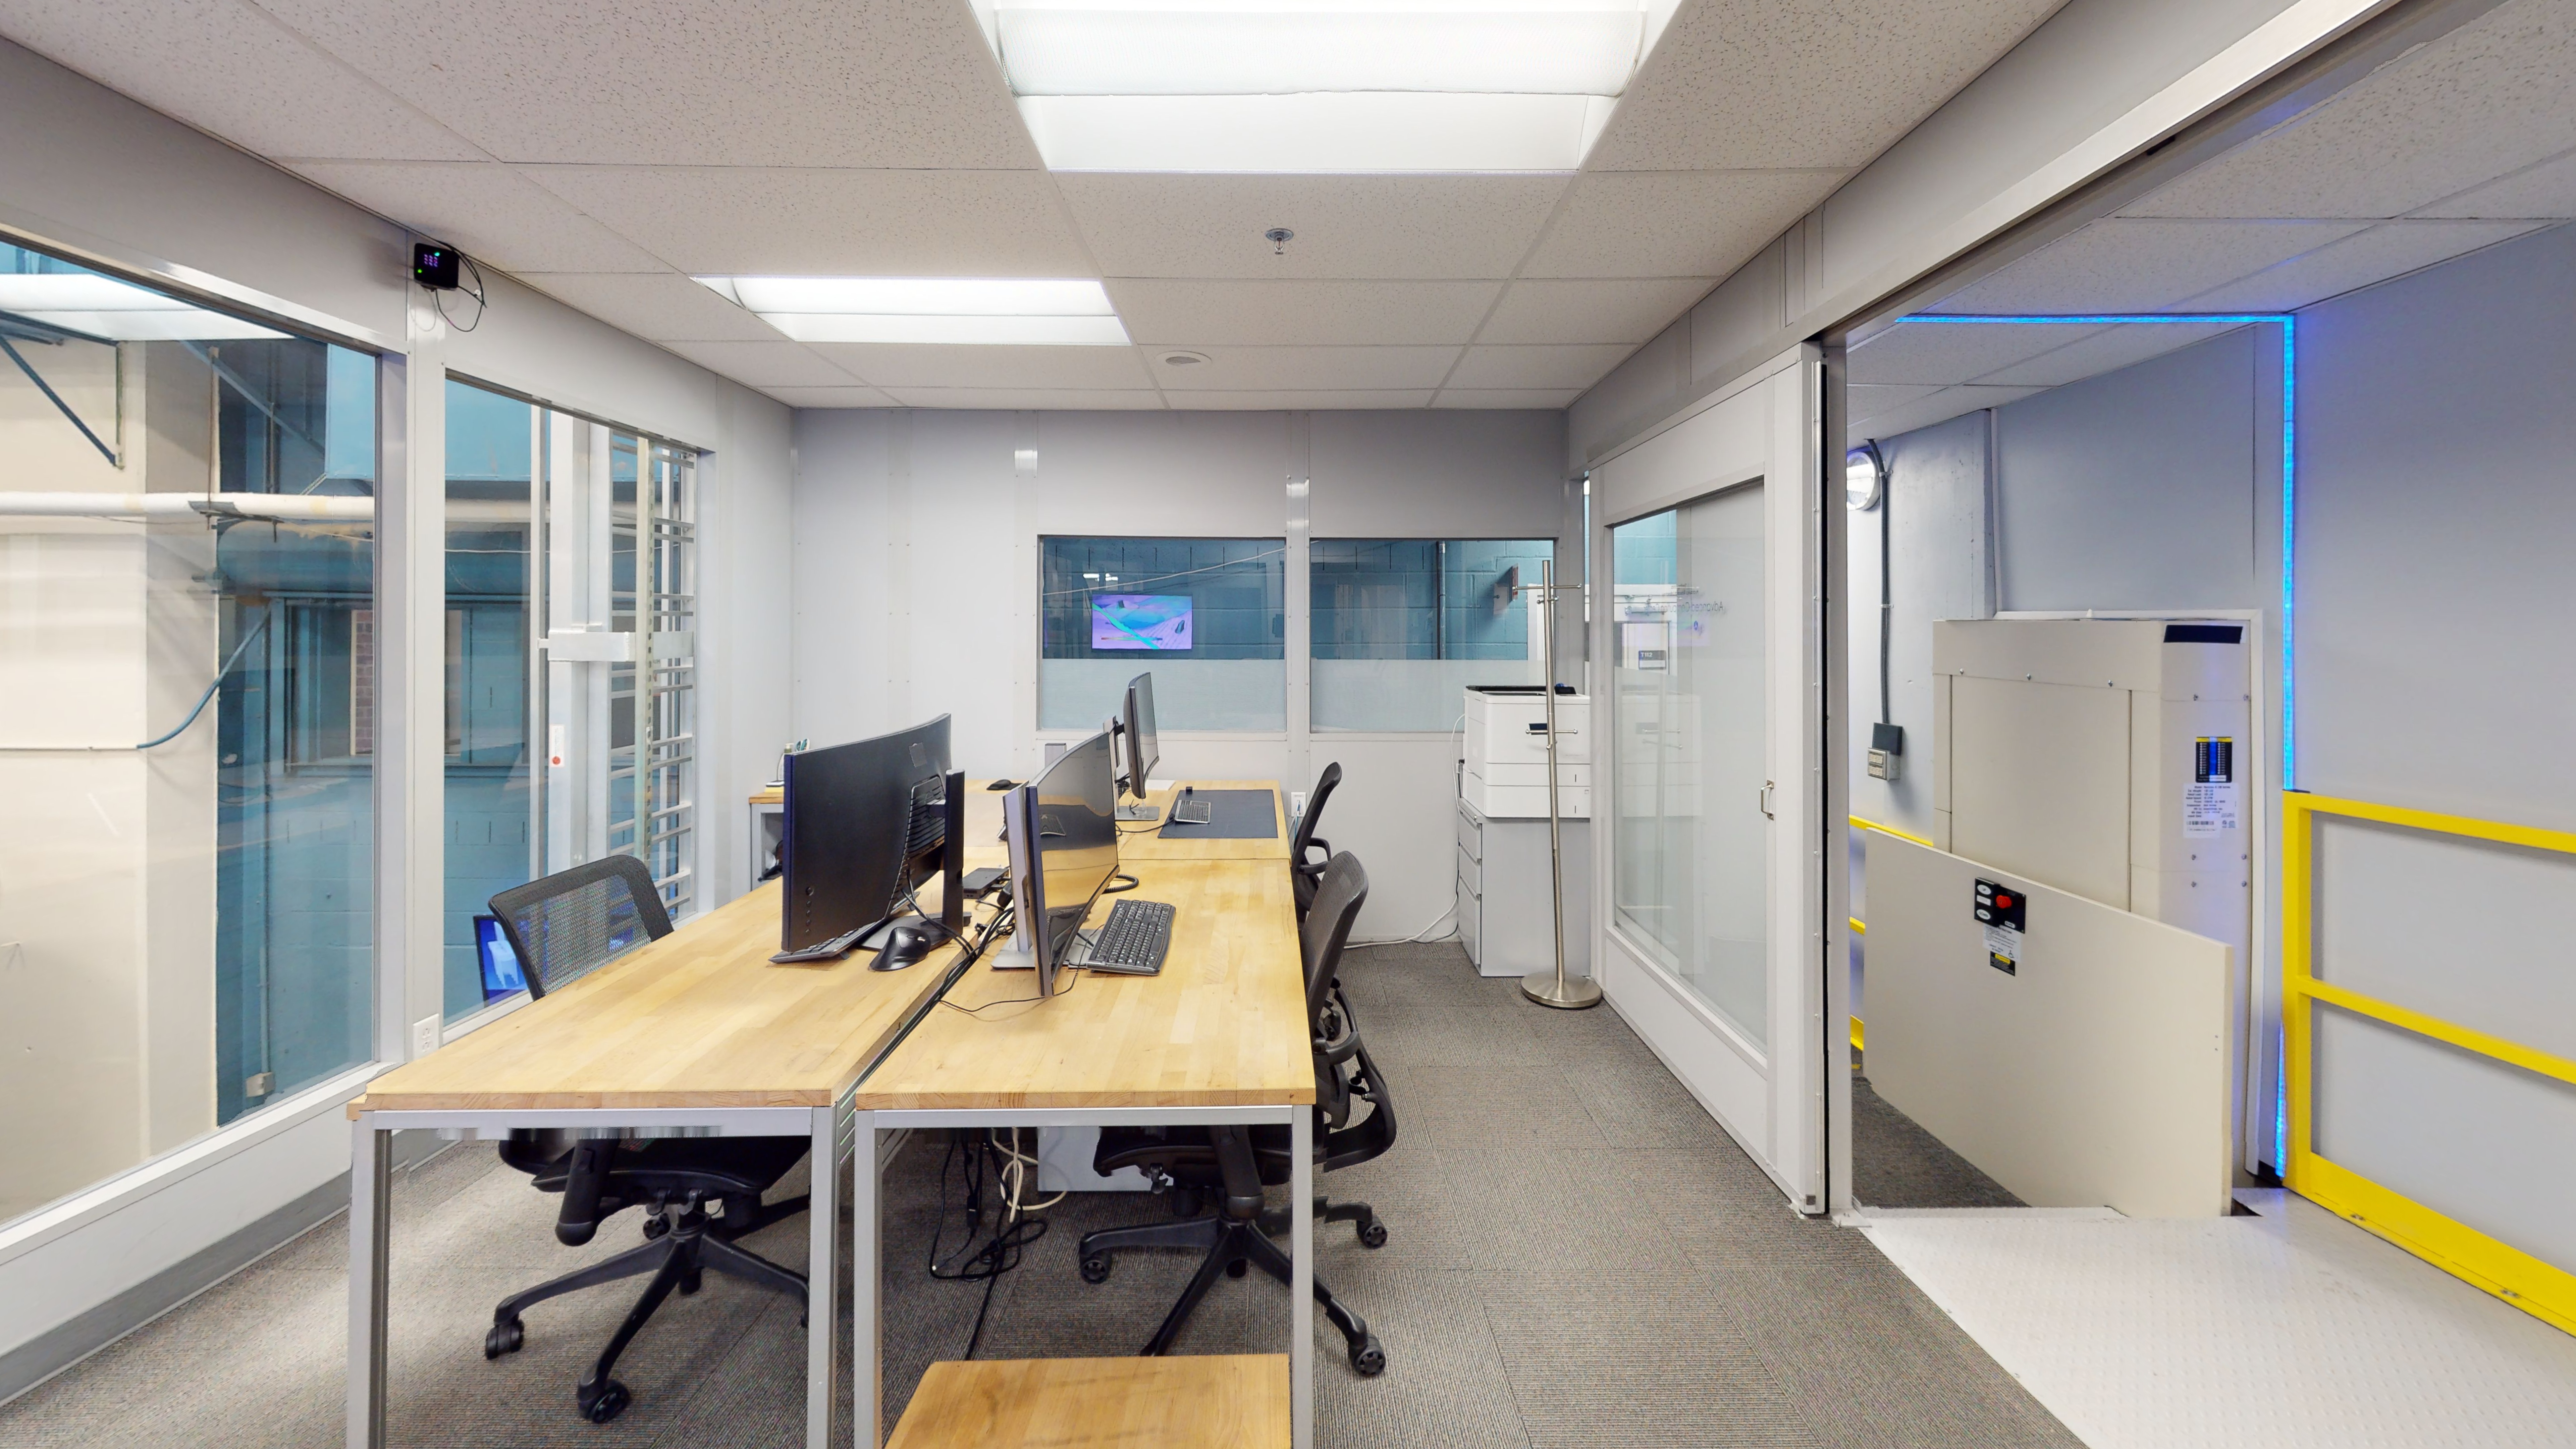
[[575, 921], [1323, 791], [1327, 927]]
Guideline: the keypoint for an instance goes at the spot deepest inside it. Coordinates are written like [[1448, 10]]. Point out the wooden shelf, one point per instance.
[[1236, 1401]]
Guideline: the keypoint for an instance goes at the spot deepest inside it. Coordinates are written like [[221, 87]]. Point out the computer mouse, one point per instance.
[[903, 946]]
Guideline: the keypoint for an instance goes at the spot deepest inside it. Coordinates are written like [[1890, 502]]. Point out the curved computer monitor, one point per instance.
[[855, 832], [1073, 808], [1144, 740]]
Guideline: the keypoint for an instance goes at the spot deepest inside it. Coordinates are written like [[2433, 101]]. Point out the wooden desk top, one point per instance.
[[1224, 1024], [769, 795], [699, 1018], [1235, 1401]]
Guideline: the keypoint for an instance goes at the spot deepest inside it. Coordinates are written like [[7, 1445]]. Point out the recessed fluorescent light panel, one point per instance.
[[1003, 311], [1319, 85]]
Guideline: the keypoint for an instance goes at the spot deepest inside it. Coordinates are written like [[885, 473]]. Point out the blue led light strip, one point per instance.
[[2289, 325]]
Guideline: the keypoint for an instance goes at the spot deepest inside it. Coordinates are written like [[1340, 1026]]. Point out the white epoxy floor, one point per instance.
[[2293, 1328]]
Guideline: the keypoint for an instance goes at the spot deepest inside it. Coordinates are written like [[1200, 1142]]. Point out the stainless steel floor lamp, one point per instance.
[[1555, 988]]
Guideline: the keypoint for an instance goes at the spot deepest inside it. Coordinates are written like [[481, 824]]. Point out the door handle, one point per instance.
[[1763, 798]]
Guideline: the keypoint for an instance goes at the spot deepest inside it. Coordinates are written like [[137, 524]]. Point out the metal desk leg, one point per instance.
[[867, 1274], [824, 1267], [370, 1224], [1301, 1282]]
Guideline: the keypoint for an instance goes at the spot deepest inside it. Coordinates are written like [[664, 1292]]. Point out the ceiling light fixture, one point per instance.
[[1319, 85], [1001, 311], [102, 307]]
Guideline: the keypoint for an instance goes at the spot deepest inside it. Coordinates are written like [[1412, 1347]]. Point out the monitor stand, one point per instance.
[[831, 950], [1147, 811]]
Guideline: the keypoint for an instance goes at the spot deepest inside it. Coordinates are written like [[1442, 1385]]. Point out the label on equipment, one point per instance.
[[2209, 801], [2000, 913]]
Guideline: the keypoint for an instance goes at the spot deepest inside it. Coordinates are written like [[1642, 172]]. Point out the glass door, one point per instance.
[[1691, 872], [1708, 650]]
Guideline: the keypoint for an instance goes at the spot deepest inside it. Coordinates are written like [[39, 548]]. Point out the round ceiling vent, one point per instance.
[[1184, 359]]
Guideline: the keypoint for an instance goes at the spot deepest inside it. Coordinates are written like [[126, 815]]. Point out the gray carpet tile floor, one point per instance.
[[1579, 1257]]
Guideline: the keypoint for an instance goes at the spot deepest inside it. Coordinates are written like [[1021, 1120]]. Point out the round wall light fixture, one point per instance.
[[1864, 478]]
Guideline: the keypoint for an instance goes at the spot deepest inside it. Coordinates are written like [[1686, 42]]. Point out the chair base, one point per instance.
[[1233, 1247], [677, 1252]]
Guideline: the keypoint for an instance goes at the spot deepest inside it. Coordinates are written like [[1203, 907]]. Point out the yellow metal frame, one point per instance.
[[2544, 1290]]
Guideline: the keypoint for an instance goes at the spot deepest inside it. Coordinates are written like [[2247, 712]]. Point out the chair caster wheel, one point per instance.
[[1369, 1356], [504, 1337], [604, 1405], [655, 1227], [1372, 1234], [1095, 1268], [692, 1283], [1238, 1268]]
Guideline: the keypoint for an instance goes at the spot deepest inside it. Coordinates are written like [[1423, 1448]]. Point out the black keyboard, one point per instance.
[[1132, 942]]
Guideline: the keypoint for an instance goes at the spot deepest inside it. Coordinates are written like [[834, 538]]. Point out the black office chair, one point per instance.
[[1306, 870], [1233, 1162], [562, 928]]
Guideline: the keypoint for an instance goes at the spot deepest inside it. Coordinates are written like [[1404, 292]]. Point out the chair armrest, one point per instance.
[[585, 1182], [1314, 867]]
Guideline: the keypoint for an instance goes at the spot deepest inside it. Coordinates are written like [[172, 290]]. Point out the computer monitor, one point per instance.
[[1063, 829], [855, 835], [1144, 743]]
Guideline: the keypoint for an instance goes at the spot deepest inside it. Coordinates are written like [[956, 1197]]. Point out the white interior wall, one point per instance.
[[113, 182], [2435, 519], [915, 579]]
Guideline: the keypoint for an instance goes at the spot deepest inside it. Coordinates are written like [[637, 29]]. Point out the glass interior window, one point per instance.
[[1690, 861], [1207, 616], [1403, 625], [187, 721], [491, 583]]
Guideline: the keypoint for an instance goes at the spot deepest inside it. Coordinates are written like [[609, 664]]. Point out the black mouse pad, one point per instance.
[[1232, 815]]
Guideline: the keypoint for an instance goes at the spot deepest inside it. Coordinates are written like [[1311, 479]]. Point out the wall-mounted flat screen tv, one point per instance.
[[1140, 621]]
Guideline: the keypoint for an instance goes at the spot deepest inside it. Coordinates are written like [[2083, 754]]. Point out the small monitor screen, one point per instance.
[[1140, 621], [1144, 737], [1077, 835], [501, 973]]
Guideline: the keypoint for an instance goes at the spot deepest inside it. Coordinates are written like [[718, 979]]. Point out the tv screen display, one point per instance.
[[1140, 621]]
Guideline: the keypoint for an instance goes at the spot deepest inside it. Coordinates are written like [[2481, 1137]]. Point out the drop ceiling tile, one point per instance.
[[1576, 367], [656, 306], [777, 222], [222, 66], [2486, 99], [2108, 350], [897, 83], [1941, 353], [2547, 190], [1008, 399], [1310, 368], [1507, 397], [764, 364], [1591, 311], [1346, 226], [2391, 249], [1673, 223], [830, 397], [487, 209], [1758, 83], [1867, 400], [895, 366], [1235, 314], [2141, 266], [1300, 400], [1938, 407]]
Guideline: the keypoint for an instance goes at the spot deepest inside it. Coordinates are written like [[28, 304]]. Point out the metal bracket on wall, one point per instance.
[[26, 330]]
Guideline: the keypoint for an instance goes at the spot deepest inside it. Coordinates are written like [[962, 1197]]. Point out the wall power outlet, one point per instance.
[[424, 1037]]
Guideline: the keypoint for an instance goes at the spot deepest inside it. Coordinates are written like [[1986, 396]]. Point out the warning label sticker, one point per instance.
[[2209, 801], [2003, 949]]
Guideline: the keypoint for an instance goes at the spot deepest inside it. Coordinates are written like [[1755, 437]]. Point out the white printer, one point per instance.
[[1506, 768]]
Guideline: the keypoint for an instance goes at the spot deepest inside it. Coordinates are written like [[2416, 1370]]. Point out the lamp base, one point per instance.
[[1577, 992]]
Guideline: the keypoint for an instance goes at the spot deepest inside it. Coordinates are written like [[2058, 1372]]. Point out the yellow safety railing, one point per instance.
[[2542, 1289], [1859, 823]]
